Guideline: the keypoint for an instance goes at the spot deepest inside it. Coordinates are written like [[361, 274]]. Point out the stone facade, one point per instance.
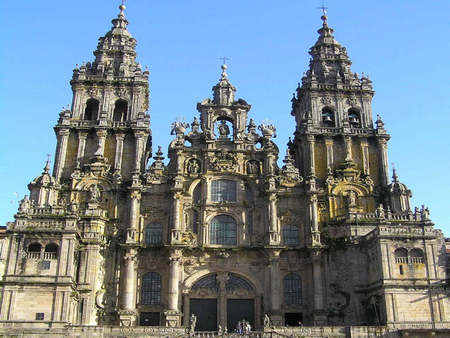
[[328, 240]]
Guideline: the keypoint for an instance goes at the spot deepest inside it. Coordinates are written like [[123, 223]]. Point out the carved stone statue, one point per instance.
[[192, 323], [224, 131], [24, 204], [252, 167], [94, 193], [193, 166], [351, 198], [266, 320]]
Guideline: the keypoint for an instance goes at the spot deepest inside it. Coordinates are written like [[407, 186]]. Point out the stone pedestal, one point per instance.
[[172, 318], [319, 318], [127, 317], [276, 318]]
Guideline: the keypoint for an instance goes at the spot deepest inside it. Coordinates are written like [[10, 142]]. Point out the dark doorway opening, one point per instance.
[[206, 312], [293, 319], [240, 309], [149, 319]]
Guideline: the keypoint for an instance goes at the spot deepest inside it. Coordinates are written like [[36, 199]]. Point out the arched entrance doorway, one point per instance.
[[222, 299]]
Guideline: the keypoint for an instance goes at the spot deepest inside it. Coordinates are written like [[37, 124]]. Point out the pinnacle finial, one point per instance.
[[122, 8], [47, 164], [224, 71], [324, 16], [394, 174]]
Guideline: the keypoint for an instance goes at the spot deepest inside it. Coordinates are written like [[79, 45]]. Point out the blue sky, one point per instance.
[[402, 45]]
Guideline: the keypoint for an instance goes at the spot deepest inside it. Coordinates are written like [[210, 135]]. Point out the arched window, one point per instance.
[[401, 255], [207, 282], [120, 111], [223, 190], [223, 230], [416, 256], [194, 221], [292, 289], [328, 117], [197, 194], [91, 111], [290, 235], [153, 234], [51, 251], [151, 289], [34, 250], [353, 117], [235, 282]]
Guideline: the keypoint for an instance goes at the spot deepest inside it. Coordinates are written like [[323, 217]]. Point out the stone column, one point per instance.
[[274, 236], [119, 150], [348, 148], [175, 233], [319, 315], [329, 147], [135, 203], [275, 287], [173, 314], [365, 156], [382, 145], [222, 279], [314, 219], [101, 135], [61, 149], [127, 314], [82, 136], [139, 137], [311, 142]]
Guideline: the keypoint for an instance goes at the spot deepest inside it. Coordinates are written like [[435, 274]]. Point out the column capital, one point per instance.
[[63, 132], [101, 133], [135, 195], [82, 134], [310, 138], [120, 136]]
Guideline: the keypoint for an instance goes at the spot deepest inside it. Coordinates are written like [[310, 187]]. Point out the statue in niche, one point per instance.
[[351, 198], [252, 167], [224, 130], [193, 166], [94, 194]]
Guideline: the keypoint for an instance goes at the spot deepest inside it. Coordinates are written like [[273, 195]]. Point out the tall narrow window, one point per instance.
[[153, 234], [197, 194], [401, 255], [91, 110], [51, 251], [292, 289], [151, 289], [223, 230], [328, 117], [290, 235], [353, 117], [223, 190], [120, 111], [195, 219]]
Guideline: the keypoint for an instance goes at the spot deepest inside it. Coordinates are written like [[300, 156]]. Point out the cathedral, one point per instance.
[[116, 240]]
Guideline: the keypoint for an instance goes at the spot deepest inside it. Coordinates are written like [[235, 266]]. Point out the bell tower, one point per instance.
[[107, 126], [336, 147]]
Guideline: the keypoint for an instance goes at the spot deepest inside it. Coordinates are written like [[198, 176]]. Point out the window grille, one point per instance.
[[40, 316], [151, 289], [208, 282], [223, 190], [235, 282], [292, 289], [153, 234], [290, 235], [45, 265], [223, 230]]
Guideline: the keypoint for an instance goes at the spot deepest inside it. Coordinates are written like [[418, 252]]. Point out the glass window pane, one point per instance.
[[153, 234], [151, 289], [290, 235], [223, 230], [223, 190], [292, 289]]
